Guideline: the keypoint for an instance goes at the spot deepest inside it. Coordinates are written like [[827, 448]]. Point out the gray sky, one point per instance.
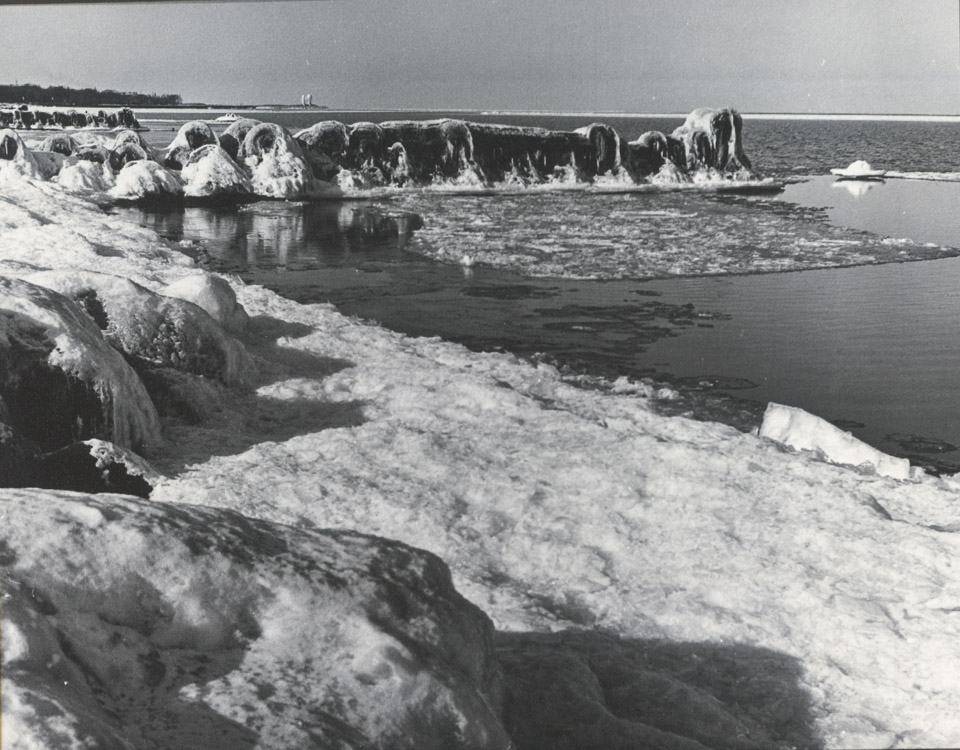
[[889, 56]]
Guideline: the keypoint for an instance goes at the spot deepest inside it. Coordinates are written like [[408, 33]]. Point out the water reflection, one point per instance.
[[856, 188], [286, 236], [917, 210]]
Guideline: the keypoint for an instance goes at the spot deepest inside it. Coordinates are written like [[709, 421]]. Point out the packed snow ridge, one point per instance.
[[330, 159], [358, 539]]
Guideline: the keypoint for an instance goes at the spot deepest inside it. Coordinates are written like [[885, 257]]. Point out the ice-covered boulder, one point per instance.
[[16, 160], [325, 147], [131, 623], [191, 136], [60, 379], [805, 431], [87, 177], [60, 143], [141, 179], [132, 136], [210, 172], [125, 153], [154, 328], [232, 138], [215, 295], [277, 164], [713, 138]]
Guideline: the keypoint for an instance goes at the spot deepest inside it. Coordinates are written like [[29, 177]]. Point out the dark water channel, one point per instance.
[[873, 348]]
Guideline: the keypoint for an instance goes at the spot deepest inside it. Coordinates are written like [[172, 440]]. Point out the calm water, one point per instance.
[[873, 347]]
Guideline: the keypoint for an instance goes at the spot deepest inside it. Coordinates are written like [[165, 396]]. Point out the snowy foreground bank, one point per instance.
[[633, 580]]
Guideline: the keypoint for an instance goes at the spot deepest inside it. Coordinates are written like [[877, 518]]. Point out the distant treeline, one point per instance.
[[63, 96]]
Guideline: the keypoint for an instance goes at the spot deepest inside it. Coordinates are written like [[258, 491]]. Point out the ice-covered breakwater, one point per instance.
[[27, 118], [253, 159]]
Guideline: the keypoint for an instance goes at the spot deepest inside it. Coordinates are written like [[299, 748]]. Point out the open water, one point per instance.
[[699, 291]]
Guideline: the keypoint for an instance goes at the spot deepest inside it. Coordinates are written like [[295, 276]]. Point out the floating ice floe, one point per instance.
[[804, 431], [859, 170]]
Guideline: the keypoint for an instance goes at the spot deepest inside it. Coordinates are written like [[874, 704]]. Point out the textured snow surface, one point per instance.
[[135, 624], [559, 508]]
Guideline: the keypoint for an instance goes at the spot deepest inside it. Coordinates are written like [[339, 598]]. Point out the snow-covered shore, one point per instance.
[[812, 604]]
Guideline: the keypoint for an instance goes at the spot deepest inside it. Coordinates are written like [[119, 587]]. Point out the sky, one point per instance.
[[858, 56]]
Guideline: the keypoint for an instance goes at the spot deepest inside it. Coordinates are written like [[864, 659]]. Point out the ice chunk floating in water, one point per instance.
[[859, 170], [804, 431]]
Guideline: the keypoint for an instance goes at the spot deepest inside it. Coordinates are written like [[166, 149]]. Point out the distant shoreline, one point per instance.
[[325, 109], [549, 113]]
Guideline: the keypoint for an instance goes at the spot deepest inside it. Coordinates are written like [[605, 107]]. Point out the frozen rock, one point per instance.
[[125, 153], [232, 138], [713, 139], [16, 160], [60, 379], [210, 172], [277, 164], [155, 328], [804, 431], [87, 177], [143, 179], [184, 626], [59, 142], [94, 466], [325, 146], [215, 295], [191, 136]]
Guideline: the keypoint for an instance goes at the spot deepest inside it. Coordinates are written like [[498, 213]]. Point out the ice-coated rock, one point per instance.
[[325, 146], [713, 138], [16, 160], [143, 179], [805, 431], [215, 295], [277, 164], [191, 136], [87, 176], [59, 142], [209, 172], [232, 138], [134, 624], [60, 379], [155, 328]]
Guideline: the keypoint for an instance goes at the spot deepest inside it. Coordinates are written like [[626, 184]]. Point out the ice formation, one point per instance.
[[215, 295], [804, 431], [331, 158], [61, 381], [210, 172], [153, 328]]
